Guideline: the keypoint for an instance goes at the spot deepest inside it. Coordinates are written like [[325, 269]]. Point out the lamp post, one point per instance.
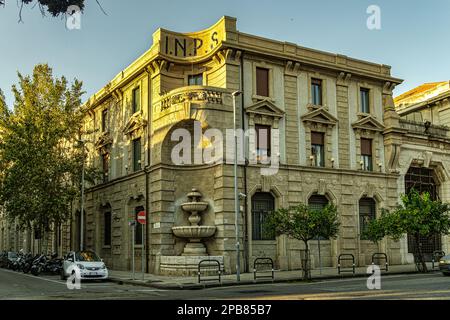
[[83, 142], [236, 193]]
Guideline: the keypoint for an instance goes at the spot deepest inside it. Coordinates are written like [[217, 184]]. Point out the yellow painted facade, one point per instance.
[[186, 79]]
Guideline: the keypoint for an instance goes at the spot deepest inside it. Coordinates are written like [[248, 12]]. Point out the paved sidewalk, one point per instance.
[[171, 283]]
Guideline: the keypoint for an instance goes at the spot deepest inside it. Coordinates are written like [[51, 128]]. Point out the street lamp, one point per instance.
[[83, 143], [236, 192]]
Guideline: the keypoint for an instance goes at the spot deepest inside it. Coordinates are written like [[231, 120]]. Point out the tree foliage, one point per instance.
[[41, 168], [56, 8], [304, 223], [418, 215]]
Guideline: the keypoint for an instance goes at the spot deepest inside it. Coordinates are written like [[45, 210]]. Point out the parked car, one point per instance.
[[444, 265], [89, 264], [7, 259]]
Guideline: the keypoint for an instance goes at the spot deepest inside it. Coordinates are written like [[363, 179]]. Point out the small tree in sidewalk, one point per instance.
[[304, 223], [418, 215]]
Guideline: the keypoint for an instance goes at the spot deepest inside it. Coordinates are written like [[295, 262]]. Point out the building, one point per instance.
[[335, 137]]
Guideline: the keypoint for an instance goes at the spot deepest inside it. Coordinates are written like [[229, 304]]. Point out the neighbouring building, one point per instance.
[[331, 124]]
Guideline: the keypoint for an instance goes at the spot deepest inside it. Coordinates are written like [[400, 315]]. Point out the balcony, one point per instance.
[[194, 94], [425, 129]]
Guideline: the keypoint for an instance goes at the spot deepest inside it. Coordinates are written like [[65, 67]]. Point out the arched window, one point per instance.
[[262, 204], [367, 212], [107, 227], [317, 202]]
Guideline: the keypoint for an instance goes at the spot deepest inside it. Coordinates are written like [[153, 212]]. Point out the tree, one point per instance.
[[304, 223], [41, 168], [418, 215], [55, 7]]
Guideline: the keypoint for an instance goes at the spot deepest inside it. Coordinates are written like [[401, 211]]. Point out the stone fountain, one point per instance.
[[194, 251], [194, 233]]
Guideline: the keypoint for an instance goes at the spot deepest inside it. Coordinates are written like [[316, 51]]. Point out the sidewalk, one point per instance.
[[190, 283]]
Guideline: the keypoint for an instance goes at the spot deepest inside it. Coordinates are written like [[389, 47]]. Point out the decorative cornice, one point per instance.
[[319, 115], [368, 122]]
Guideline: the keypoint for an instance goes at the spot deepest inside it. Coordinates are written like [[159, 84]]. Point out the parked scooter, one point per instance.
[[28, 262], [38, 265]]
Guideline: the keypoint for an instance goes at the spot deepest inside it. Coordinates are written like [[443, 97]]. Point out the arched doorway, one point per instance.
[[423, 180]]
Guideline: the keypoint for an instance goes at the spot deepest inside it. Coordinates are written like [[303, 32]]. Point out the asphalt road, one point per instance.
[[14, 285]]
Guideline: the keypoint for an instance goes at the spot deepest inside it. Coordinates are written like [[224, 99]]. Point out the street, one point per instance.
[[432, 286]]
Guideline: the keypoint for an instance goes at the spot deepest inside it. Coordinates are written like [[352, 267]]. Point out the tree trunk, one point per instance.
[[421, 261], [306, 269]]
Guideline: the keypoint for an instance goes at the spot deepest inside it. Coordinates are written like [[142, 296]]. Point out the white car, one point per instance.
[[87, 262]]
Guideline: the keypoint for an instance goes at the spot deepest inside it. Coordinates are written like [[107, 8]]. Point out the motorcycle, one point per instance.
[[38, 265], [28, 262]]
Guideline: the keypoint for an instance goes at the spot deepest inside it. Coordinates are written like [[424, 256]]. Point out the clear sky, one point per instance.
[[414, 37]]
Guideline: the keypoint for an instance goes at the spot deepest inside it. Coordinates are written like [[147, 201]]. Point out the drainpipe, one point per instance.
[[148, 227], [244, 219]]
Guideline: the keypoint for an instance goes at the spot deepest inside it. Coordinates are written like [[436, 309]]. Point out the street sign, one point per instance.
[[141, 217]]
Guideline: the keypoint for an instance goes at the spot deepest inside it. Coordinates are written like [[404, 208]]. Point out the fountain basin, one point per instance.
[[194, 232], [194, 206]]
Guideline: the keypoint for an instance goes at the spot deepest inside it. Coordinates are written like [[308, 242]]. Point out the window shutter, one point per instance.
[[317, 138], [262, 82], [366, 147]]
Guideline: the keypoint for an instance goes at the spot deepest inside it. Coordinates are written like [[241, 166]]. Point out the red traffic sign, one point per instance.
[[141, 217]]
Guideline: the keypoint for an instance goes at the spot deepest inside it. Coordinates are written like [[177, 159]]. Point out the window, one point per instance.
[[262, 82], [316, 92], [317, 202], [262, 205], [105, 120], [366, 154], [107, 228], [262, 142], [137, 154], [366, 214], [139, 229], [318, 148], [195, 79], [105, 166], [136, 99], [365, 100]]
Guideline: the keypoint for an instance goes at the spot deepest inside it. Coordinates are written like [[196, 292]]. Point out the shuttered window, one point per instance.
[[263, 144], [262, 82], [318, 148], [366, 154]]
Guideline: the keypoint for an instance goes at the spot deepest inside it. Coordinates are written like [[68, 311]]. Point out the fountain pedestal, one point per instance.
[[194, 251]]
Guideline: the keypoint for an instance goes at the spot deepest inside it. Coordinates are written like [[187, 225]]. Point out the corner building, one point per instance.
[[340, 141]]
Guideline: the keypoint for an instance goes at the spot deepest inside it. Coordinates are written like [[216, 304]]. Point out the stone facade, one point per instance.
[[186, 81]]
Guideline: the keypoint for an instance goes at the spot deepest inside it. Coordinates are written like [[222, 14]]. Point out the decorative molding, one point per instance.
[[369, 123], [319, 115], [265, 108], [136, 122], [343, 78]]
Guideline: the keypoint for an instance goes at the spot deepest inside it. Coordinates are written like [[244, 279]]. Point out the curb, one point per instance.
[[198, 286]]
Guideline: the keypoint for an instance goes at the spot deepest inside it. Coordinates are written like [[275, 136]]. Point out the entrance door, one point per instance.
[[422, 180]]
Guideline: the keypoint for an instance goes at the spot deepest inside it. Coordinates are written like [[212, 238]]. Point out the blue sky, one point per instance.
[[414, 35]]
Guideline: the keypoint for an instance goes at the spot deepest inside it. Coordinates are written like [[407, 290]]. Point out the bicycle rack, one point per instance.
[[380, 256], [346, 257], [263, 262], [437, 255], [209, 264]]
